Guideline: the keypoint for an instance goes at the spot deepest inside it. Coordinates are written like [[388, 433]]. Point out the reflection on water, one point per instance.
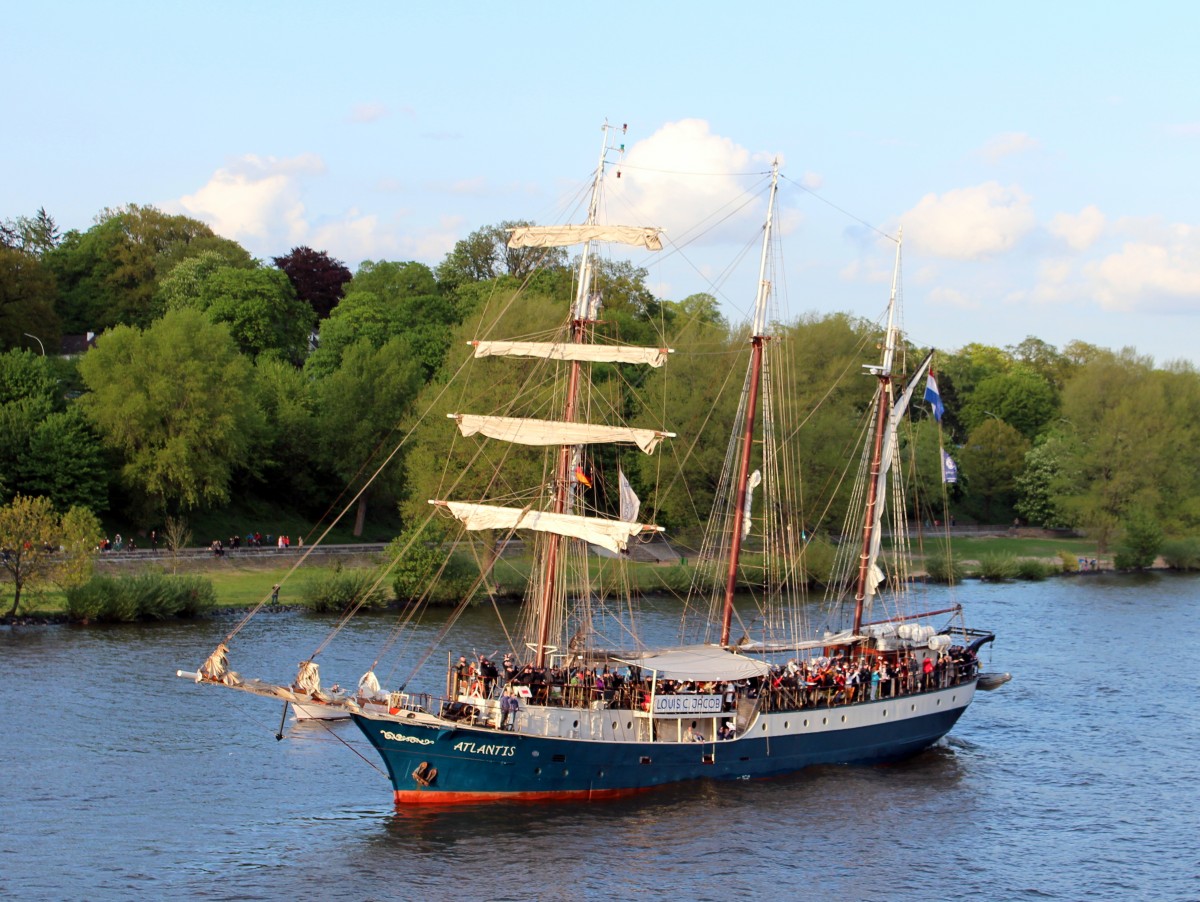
[[1071, 781]]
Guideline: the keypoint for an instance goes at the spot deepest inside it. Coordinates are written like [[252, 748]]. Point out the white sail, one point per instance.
[[521, 431], [568, 351], [567, 235], [611, 534], [887, 456]]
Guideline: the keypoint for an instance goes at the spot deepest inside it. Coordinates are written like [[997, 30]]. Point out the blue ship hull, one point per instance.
[[430, 761]]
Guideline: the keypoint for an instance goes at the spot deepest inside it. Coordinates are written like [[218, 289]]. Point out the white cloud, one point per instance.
[[1080, 231], [969, 223], [952, 297], [369, 112], [1008, 144], [683, 175], [256, 199], [1158, 276]]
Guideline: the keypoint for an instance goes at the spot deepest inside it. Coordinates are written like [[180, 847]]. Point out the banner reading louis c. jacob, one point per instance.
[[686, 705]]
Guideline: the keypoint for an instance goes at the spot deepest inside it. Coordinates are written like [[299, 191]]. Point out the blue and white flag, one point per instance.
[[934, 397], [949, 469]]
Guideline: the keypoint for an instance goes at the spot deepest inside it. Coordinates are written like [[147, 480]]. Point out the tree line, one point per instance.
[[213, 377]]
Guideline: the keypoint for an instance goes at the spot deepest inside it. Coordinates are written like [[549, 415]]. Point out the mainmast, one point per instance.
[[757, 340], [868, 571]]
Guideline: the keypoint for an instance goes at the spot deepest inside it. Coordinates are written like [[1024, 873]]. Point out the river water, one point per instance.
[[1074, 781]]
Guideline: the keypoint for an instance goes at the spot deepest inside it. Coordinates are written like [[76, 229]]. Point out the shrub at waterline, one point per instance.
[[338, 590], [426, 567], [145, 596], [1032, 568], [997, 567], [943, 567], [1141, 539], [1182, 554]]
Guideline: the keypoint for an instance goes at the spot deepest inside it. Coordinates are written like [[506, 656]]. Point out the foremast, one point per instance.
[[757, 339], [569, 434]]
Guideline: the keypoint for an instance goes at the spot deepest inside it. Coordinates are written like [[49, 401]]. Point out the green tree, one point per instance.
[[485, 254], [990, 463], [1020, 397], [291, 462], [385, 301], [35, 235], [173, 401], [1037, 492], [32, 549], [1141, 541], [261, 309], [359, 408], [1136, 443], [27, 297], [64, 460], [109, 274]]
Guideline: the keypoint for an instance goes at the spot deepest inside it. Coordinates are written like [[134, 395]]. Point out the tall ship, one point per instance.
[[760, 683]]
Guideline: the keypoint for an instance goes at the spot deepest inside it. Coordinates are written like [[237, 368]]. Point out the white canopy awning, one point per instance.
[[522, 431], [699, 662], [587, 353], [611, 534], [566, 235]]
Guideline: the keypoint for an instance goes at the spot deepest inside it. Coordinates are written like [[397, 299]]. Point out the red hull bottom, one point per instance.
[[433, 797]]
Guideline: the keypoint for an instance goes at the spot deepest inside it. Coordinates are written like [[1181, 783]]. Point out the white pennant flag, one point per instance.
[[630, 503], [755, 481]]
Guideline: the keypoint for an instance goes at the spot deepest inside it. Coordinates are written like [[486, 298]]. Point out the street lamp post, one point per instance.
[[38, 340]]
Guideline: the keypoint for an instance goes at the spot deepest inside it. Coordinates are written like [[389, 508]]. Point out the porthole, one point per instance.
[[536, 753], [939, 701], [600, 774], [786, 724], [575, 725], [614, 726], [824, 721], [566, 772], [912, 707], [629, 725], [806, 721], [764, 728], [537, 771], [885, 712], [843, 718]]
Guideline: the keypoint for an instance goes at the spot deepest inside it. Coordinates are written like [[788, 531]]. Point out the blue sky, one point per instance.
[[1041, 157]]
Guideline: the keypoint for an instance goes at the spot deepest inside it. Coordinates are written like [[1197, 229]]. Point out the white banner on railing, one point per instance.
[[687, 705]]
